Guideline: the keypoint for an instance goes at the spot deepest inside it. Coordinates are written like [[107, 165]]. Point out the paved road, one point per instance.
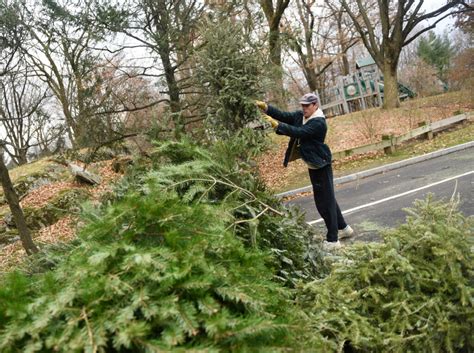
[[377, 202]]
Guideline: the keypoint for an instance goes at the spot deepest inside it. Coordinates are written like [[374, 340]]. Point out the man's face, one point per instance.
[[309, 109]]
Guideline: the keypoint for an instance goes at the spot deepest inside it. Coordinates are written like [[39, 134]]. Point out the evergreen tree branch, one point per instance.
[[229, 184]]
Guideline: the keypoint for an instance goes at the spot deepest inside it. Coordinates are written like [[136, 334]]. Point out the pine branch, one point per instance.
[[215, 181]]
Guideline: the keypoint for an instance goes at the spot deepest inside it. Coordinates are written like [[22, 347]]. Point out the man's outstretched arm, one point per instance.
[[275, 113], [313, 128]]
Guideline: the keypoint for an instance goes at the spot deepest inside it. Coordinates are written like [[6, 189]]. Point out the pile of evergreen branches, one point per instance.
[[172, 264], [194, 255], [414, 293], [151, 274], [222, 174]]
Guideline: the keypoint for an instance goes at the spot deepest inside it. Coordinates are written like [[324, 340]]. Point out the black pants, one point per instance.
[[323, 191]]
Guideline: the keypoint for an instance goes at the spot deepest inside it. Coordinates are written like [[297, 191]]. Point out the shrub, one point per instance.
[[422, 78], [461, 74]]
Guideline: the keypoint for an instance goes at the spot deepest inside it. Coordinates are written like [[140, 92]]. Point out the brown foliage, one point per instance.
[[461, 74], [422, 78]]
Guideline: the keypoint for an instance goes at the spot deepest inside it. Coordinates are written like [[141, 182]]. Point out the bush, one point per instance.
[[411, 294], [461, 74], [422, 78]]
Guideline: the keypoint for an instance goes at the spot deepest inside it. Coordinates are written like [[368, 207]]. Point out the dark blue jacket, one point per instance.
[[311, 136]]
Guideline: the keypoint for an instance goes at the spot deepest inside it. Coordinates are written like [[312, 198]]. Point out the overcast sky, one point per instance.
[[447, 23]]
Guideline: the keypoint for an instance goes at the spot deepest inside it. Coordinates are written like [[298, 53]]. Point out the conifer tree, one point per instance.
[[436, 51], [230, 73]]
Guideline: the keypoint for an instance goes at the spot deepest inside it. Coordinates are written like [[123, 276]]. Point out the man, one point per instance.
[[307, 130]]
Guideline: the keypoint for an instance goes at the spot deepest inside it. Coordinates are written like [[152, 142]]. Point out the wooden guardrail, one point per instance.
[[389, 142]]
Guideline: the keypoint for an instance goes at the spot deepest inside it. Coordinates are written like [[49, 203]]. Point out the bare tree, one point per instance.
[[324, 40], [59, 50], [167, 29], [399, 22], [21, 113], [461, 74], [10, 23], [49, 138], [465, 20], [346, 35], [421, 77], [120, 96], [68, 52]]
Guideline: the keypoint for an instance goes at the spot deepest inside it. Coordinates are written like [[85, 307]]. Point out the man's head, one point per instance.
[[309, 104]]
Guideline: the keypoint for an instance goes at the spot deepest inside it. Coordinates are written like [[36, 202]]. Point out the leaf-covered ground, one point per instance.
[[64, 228]]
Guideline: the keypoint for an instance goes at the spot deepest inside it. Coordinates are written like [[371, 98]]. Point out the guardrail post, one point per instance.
[[389, 149], [429, 134]]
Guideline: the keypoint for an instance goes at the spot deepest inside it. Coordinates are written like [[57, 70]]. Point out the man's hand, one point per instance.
[[273, 122], [261, 105]]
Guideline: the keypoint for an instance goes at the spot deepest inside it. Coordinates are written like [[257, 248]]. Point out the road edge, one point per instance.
[[384, 168]]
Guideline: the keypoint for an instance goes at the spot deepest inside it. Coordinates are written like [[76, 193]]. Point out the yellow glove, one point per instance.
[[273, 122], [261, 105]]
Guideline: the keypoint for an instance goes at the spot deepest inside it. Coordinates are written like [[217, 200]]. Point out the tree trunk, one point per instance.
[[345, 64], [277, 70], [163, 28], [390, 82], [70, 121], [343, 45], [175, 104], [22, 156], [311, 79], [273, 13], [17, 212]]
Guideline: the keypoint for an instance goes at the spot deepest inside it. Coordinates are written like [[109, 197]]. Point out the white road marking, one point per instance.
[[351, 210]]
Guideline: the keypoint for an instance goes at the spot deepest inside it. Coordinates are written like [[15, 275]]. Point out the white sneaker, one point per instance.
[[331, 245], [346, 232]]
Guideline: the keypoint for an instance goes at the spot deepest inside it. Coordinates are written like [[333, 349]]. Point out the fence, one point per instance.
[[389, 142]]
